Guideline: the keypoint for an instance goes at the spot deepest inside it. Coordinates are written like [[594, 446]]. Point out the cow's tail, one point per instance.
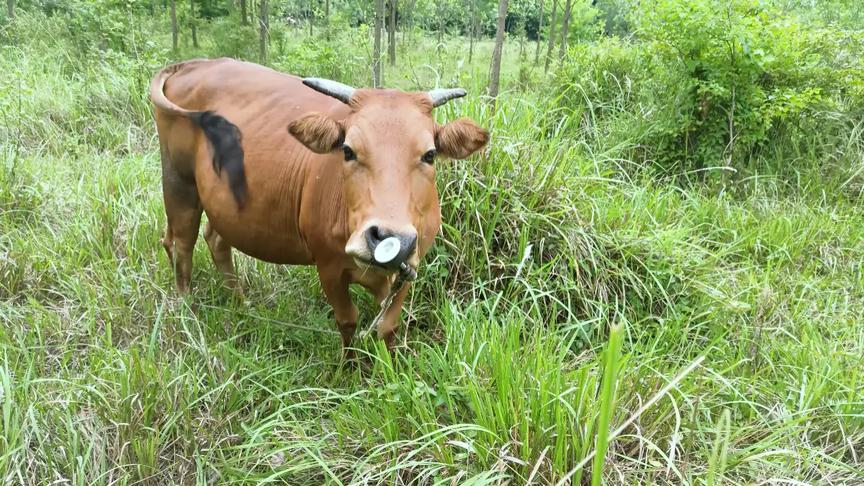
[[224, 137]]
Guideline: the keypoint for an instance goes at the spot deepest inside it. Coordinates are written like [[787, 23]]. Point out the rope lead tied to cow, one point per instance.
[[406, 274]]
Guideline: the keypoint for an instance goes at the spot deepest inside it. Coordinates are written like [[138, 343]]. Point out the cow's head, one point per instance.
[[389, 142]]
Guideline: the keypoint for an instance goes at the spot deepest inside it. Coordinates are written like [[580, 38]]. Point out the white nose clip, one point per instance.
[[387, 250]]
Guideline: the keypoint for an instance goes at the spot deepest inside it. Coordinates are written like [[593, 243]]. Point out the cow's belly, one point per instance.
[[262, 243], [266, 227]]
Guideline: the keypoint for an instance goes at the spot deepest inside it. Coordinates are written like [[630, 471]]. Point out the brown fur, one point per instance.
[[317, 132], [304, 203], [460, 138]]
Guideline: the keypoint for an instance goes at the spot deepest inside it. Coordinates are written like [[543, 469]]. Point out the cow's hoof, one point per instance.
[[349, 358], [237, 293]]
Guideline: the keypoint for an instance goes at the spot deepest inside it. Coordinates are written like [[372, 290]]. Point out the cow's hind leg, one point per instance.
[[183, 209], [220, 250]]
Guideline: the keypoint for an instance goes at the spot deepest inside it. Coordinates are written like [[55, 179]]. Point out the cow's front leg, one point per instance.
[[334, 282], [390, 322]]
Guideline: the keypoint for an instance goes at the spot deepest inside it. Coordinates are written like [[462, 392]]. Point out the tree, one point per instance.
[[518, 28], [376, 49], [539, 29], [409, 16], [565, 29], [174, 34], [311, 18], [327, 19], [243, 19], [440, 23], [495, 74], [264, 30], [472, 30], [551, 35], [391, 32], [10, 8], [194, 23]]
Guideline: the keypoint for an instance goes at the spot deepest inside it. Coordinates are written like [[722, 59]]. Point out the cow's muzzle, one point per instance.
[[390, 249], [382, 247]]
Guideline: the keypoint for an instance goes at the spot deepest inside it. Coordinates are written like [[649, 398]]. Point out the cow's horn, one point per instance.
[[341, 92], [441, 96]]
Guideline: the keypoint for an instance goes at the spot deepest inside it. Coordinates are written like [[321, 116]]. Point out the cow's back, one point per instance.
[[260, 102]]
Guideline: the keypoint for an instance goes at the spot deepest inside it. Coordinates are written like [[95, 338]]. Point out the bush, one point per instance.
[[101, 24], [711, 82], [232, 39], [315, 56]]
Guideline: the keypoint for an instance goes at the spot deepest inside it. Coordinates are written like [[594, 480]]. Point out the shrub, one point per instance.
[[315, 56], [711, 82], [232, 39]]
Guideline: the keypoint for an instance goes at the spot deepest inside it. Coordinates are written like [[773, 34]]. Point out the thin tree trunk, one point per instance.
[[376, 49], [440, 23], [311, 18], [243, 19], [495, 74], [520, 28], [539, 31], [552, 25], [565, 29], [327, 19], [410, 24], [391, 33], [174, 34], [472, 30], [194, 24], [10, 8], [264, 30]]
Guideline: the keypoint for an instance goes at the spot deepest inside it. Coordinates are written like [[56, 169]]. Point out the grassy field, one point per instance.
[[716, 329]]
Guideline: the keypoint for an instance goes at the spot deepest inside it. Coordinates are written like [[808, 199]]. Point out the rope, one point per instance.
[[406, 274]]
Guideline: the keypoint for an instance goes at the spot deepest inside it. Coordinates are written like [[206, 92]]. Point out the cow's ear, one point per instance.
[[319, 133], [460, 138]]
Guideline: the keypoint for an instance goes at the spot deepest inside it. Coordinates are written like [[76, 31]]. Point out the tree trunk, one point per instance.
[[174, 34], [194, 24], [264, 30], [327, 19], [523, 37], [10, 8], [391, 33], [495, 74], [440, 23], [311, 18], [243, 18], [551, 40], [376, 49], [539, 31], [409, 26], [565, 29], [472, 30]]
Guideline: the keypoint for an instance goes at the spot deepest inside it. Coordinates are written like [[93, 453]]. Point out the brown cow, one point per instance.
[[321, 175]]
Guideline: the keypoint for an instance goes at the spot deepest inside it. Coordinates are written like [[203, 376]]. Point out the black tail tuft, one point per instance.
[[225, 141]]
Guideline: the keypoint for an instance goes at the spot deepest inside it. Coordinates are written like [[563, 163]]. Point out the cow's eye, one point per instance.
[[349, 153], [428, 157]]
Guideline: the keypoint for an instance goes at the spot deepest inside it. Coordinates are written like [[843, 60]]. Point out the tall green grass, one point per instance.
[[735, 312]]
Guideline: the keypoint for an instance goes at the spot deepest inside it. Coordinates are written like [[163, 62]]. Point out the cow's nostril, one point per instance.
[[373, 237], [375, 233]]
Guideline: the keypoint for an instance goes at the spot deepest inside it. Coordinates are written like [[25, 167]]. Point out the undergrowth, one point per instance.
[[553, 249]]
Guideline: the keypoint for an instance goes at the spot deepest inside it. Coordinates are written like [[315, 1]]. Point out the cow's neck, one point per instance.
[[323, 215]]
